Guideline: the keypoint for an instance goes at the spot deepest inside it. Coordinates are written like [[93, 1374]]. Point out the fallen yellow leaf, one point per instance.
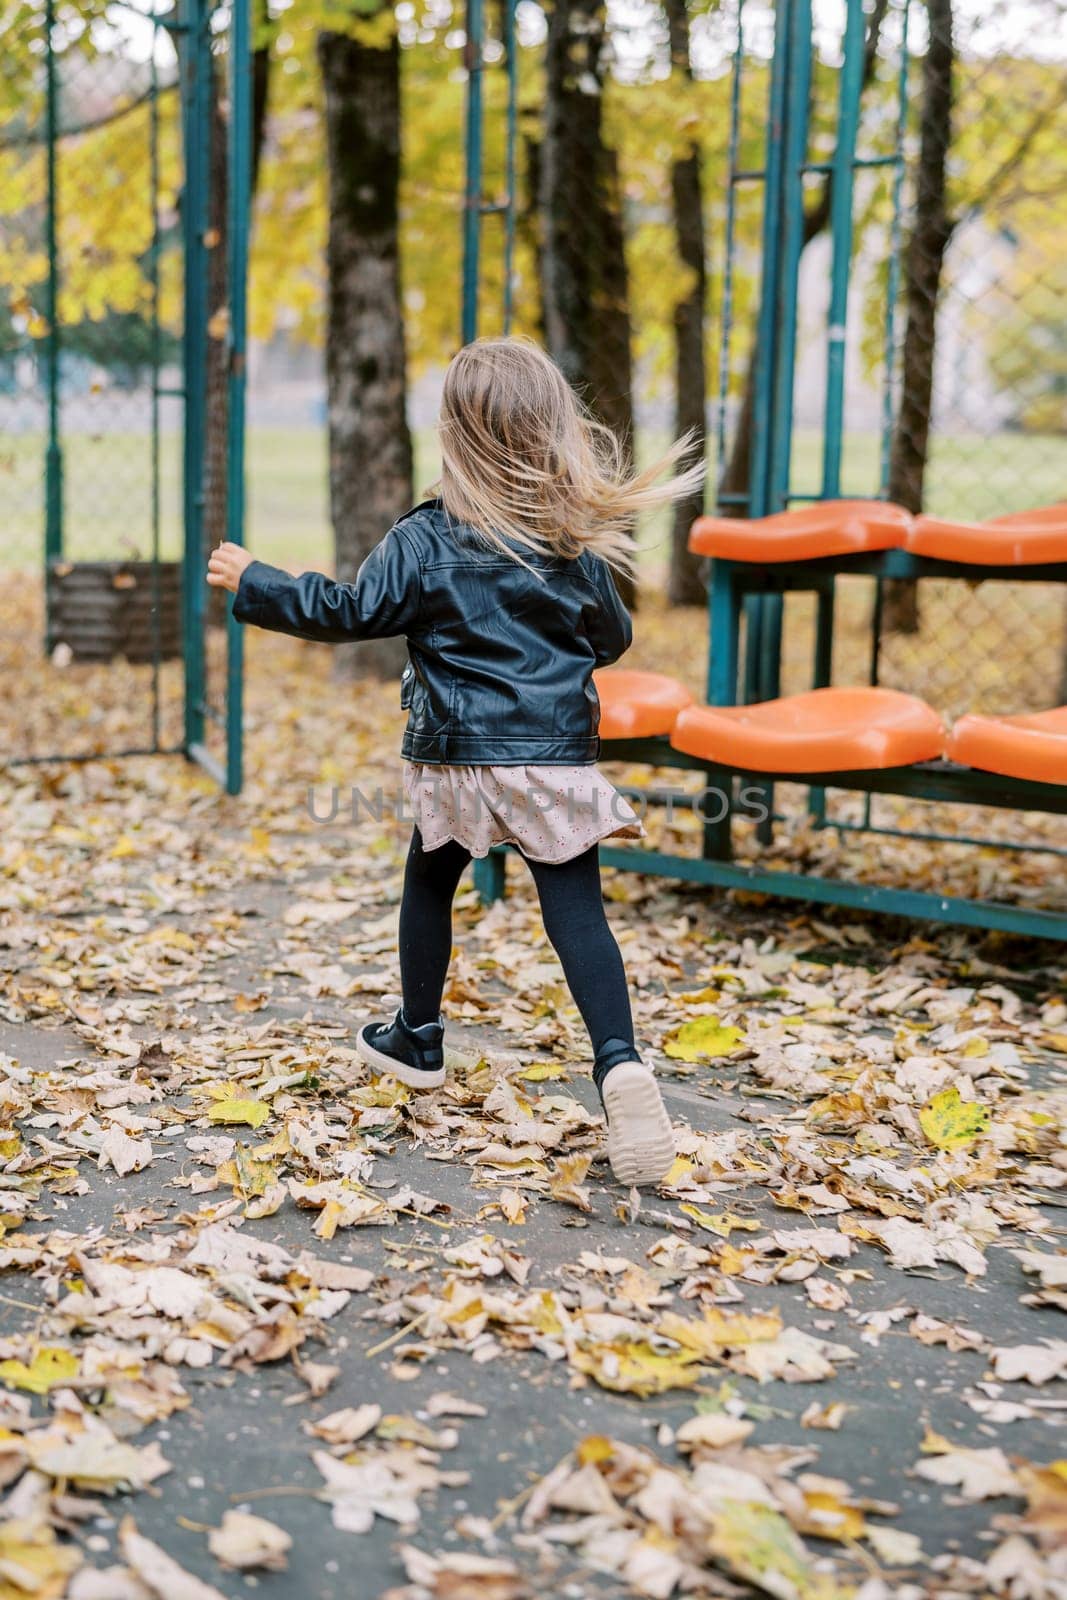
[[702, 1039], [756, 1542], [951, 1123], [635, 1367], [721, 1222], [251, 1113], [50, 1365], [33, 1562], [595, 1447]]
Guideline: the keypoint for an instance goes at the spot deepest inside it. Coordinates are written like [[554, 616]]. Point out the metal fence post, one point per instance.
[[766, 342], [196, 128], [511, 48], [53, 465], [239, 154], [841, 179], [794, 136], [472, 193], [848, 116]]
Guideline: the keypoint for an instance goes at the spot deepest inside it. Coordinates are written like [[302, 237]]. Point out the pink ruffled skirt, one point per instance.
[[549, 813]]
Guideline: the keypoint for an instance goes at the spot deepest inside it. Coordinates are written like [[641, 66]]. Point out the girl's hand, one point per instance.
[[226, 565]]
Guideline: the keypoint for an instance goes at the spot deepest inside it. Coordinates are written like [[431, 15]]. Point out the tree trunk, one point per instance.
[[584, 283], [370, 444], [735, 479], [686, 585], [923, 266], [261, 58], [528, 226], [217, 436]]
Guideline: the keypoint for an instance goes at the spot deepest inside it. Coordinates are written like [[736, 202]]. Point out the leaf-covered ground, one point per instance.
[[268, 1324]]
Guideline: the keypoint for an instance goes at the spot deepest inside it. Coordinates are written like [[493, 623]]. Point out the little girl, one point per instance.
[[503, 590]]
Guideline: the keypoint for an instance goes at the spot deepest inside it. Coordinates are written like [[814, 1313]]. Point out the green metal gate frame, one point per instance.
[[190, 28], [475, 205], [197, 130]]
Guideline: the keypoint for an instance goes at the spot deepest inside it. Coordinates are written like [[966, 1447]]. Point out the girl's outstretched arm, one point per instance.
[[225, 566], [608, 623], [383, 600]]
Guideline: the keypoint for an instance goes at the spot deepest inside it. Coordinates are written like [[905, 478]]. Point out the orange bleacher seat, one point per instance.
[[1054, 513], [638, 705], [1033, 746], [1024, 538], [827, 528], [825, 730]]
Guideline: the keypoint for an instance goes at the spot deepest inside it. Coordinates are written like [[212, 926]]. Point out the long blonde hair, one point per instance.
[[523, 459]]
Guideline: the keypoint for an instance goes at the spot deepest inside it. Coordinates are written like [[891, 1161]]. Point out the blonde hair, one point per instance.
[[523, 459]]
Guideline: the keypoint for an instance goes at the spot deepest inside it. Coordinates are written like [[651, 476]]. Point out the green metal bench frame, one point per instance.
[[933, 780]]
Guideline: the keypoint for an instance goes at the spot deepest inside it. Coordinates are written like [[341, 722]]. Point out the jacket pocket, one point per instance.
[[407, 687]]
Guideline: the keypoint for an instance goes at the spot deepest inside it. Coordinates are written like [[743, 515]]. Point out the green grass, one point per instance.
[[108, 488]]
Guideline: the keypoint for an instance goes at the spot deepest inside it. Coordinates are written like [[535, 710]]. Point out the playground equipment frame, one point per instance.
[[757, 591]]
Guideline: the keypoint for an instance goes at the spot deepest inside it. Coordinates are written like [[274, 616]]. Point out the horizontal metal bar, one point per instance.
[[926, 780], [688, 799], [832, 891], [758, 174], [774, 576], [95, 755], [211, 765], [169, 394], [861, 162], [938, 838], [653, 752], [657, 796]]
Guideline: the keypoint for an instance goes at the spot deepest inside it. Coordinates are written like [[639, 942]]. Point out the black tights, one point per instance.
[[573, 910]]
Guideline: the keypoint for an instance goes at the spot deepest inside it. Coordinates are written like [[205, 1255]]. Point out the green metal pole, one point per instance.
[[848, 116], [895, 236], [726, 318], [472, 195], [196, 109], [765, 363], [766, 357], [154, 283], [488, 873], [53, 463], [795, 142], [240, 198], [891, 294], [512, 54], [786, 201], [850, 87]]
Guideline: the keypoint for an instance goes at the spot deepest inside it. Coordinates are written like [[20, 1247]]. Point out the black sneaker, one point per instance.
[[414, 1055]]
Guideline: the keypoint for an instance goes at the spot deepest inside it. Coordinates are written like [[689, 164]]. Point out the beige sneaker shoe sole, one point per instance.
[[640, 1136]]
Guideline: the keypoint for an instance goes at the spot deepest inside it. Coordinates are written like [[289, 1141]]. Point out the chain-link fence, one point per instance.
[[978, 422], [113, 393], [89, 346]]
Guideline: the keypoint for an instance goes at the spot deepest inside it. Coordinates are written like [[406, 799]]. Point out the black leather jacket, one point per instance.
[[501, 658]]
